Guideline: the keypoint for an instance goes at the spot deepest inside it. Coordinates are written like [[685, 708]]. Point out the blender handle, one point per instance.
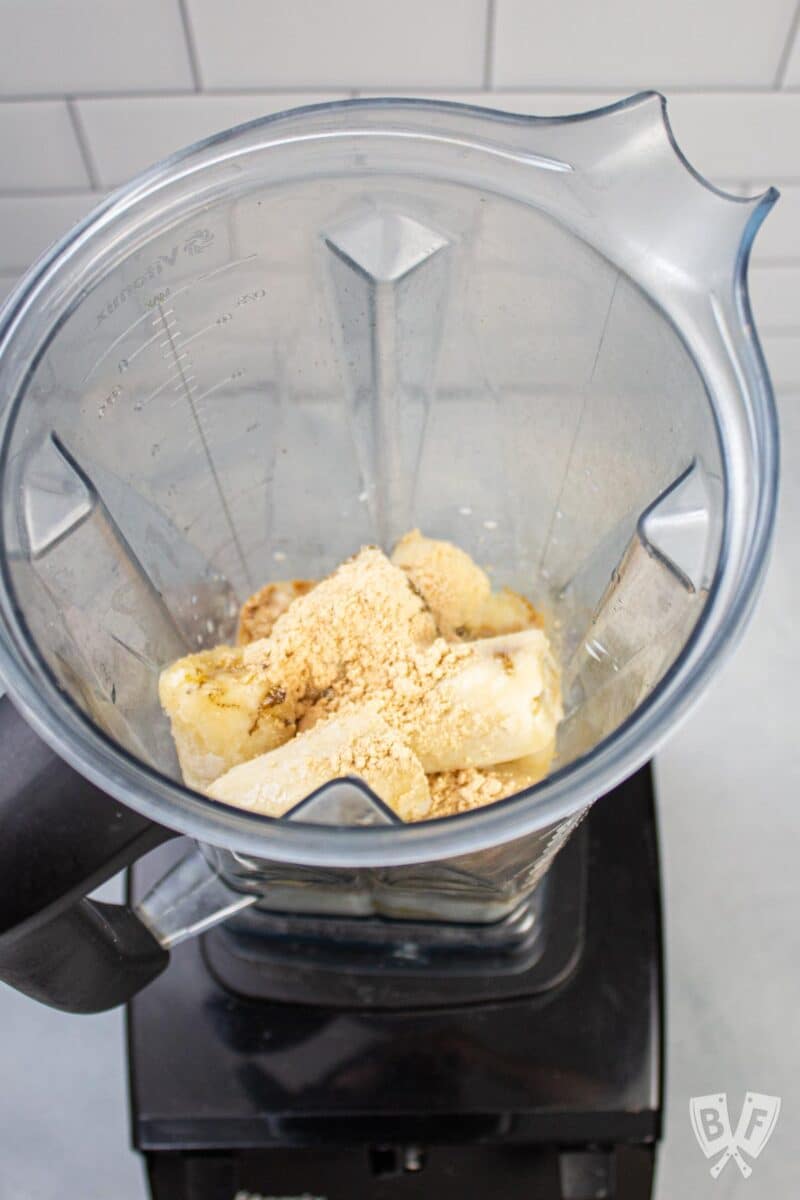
[[60, 837]]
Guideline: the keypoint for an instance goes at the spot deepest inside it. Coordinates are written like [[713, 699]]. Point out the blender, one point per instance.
[[530, 336]]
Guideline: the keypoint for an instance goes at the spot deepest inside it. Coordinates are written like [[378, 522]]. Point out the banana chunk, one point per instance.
[[260, 612], [459, 593], [454, 587], [369, 673], [230, 704], [504, 612], [360, 743], [502, 703], [223, 710]]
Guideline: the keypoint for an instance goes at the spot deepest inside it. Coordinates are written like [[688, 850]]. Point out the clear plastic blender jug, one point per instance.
[[529, 336]]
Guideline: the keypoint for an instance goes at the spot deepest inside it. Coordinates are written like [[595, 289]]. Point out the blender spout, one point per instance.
[[188, 900], [669, 227]]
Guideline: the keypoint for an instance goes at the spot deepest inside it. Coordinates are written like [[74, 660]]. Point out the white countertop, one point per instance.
[[729, 806], [728, 793]]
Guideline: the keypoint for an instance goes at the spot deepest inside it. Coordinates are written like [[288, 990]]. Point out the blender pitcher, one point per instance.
[[529, 336]]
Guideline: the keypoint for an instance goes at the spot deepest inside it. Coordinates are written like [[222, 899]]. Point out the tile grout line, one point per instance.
[[169, 94], [488, 47], [733, 90], [191, 46], [83, 143], [789, 44]]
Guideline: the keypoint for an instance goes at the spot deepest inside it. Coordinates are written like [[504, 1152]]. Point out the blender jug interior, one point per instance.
[[528, 337]]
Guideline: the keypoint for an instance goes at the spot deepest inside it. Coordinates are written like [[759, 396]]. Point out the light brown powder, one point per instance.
[[365, 636], [259, 614], [472, 787], [352, 624], [397, 683], [362, 635], [460, 791]]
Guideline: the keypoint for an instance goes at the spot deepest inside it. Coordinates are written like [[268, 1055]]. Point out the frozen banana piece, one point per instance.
[[371, 672], [504, 612], [458, 592], [360, 743], [474, 787], [223, 710], [523, 773], [454, 587], [232, 703], [502, 702], [260, 612]]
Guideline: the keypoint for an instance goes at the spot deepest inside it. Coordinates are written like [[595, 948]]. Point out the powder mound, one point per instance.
[[353, 626], [473, 787]]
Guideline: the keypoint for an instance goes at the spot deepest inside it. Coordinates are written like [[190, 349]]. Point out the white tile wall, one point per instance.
[[51, 46], [97, 89], [782, 352], [792, 76], [775, 296], [630, 43], [28, 224], [731, 135], [7, 282], [357, 43], [38, 147]]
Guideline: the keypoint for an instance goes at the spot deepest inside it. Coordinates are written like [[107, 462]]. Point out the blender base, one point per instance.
[[555, 1093], [374, 963]]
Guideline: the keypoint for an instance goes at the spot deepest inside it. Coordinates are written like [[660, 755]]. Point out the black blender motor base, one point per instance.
[[551, 1095], [456, 1172]]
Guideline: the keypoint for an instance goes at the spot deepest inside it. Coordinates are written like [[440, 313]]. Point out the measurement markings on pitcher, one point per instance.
[[109, 349], [224, 317], [235, 262], [150, 304], [155, 300], [183, 380], [237, 373]]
